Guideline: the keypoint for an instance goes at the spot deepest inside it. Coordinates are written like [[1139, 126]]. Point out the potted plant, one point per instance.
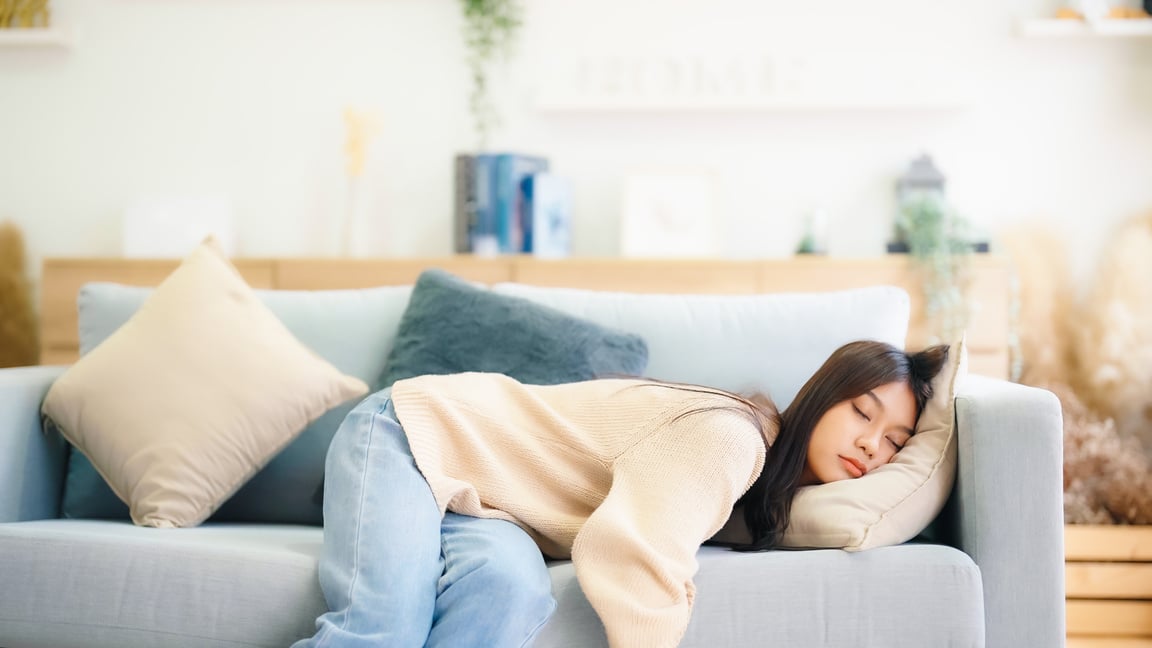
[[936, 238]]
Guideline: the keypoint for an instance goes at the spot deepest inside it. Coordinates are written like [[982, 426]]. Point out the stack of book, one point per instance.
[[510, 203]]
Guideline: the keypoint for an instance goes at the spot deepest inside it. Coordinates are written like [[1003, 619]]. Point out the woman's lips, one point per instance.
[[854, 467]]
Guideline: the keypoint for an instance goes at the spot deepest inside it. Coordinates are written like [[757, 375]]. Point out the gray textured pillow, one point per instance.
[[451, 326]]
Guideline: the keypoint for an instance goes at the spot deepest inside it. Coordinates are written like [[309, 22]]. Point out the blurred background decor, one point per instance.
[[937, 237], [167, 225], [18, 342], [670, 213], [1107, 476], [360, 128], [814, 240], [1091, 351], [24, 14], [1115, 337], [490, 30]]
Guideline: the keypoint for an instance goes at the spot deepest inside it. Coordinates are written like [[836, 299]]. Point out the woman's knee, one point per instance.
[[523, 597], [501, 571], [375, 400], [369, 417], [503, 562]]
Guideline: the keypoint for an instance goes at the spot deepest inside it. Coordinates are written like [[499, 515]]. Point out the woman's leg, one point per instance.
[[495, 591], [380, 564]]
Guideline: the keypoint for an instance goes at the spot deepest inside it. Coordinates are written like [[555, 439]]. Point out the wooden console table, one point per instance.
[[988, 333], [1108, 575]]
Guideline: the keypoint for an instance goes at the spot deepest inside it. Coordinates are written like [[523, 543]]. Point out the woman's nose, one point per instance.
[[868, 444]]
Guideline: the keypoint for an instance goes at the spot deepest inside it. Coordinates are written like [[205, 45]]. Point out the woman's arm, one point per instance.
[[636, 555], [734, 532]]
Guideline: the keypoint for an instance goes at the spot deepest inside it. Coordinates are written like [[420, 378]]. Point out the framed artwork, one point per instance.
[[670, 213], [169, 226]]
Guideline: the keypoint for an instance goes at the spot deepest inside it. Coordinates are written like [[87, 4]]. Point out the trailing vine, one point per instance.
[[490, 29]]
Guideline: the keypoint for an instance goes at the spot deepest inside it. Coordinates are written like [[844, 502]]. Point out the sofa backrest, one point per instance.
[[768, 343]]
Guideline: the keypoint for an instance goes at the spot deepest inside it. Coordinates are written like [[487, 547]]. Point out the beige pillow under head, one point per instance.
[[193, 395], [895, 502]]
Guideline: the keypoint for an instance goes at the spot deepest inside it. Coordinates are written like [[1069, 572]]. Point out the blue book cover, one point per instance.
[[548, 215], [507, 179], [483, 227]]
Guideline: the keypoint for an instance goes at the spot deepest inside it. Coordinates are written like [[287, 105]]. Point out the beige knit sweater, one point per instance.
[[600, 471]]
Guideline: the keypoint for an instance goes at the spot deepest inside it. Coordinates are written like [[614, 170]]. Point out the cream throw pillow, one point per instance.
[[192, 395], [895, 502]]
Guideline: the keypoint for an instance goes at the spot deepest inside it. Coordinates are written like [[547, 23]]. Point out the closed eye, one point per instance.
[[896, 445], [860, 412]]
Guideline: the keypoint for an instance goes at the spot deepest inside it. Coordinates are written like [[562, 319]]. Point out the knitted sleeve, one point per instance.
[[635, 557]]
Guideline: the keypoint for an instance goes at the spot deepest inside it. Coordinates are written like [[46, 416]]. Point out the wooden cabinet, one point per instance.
[[1108, 581], [989, 292]]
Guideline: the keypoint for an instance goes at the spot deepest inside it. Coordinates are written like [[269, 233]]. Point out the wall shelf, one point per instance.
[[555, 105], [1061, 28], [35, 37]]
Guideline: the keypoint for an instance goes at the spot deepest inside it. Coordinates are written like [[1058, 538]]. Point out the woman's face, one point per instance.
[[860, 434]]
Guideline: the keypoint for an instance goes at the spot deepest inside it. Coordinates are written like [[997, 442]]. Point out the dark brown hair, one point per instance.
[[851, 370]]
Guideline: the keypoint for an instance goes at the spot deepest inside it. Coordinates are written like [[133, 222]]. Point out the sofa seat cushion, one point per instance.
[[87, 583], [109, 583], [908, 596]]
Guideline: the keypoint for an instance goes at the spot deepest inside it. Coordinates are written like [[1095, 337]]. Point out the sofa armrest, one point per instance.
[[31, 462], [1008, 507]]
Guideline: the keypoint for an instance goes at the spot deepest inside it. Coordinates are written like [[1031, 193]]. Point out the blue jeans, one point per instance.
[[395, 573]]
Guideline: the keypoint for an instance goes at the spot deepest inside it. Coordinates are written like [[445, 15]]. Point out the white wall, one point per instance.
[[245, 98]]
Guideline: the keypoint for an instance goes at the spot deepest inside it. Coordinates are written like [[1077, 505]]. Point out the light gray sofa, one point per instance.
[[992, 574]]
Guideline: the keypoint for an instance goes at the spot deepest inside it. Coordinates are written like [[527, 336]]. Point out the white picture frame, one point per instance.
[[670, 213], [171, 226]]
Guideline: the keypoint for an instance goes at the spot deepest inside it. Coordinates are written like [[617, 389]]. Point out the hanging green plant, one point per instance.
[[490, 29], [938, 241]]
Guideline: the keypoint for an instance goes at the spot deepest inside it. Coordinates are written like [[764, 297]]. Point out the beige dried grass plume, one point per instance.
[[18, 346], [1045, 322], [1107, 476], [25, 13], [1115, 343]]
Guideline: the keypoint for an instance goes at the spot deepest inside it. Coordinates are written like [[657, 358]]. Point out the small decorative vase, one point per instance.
[[1092, 10]]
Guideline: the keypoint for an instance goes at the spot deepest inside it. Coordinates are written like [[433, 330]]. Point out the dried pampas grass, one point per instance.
[[18, 345], [1107, 477], [1075, 350], [1115, 342], [1046, 300]]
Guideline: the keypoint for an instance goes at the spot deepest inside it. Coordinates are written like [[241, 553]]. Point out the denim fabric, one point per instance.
[[396, 573]]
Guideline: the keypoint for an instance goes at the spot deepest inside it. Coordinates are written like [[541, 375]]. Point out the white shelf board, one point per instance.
[[35, 37], [1062, 28], [896, 101], [783, 105]]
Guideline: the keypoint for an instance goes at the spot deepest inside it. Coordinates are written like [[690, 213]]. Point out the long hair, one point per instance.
[[850, 371]]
